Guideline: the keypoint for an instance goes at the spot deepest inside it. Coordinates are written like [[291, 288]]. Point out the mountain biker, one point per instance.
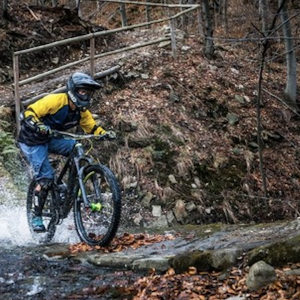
[[60, 112]]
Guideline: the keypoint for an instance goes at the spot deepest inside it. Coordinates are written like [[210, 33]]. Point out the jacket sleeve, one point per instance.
[[50, 104], [88, 124]]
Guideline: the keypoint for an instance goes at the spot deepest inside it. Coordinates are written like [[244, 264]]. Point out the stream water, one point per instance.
[[25, 273], [14, 229]]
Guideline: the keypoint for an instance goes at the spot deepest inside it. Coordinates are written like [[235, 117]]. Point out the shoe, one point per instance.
[[37, 224]]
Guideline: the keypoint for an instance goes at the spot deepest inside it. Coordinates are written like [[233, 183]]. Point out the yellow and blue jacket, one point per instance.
[[54, 110]]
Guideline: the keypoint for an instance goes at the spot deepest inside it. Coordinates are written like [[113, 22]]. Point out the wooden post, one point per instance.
[[92, 57], [17, 91]]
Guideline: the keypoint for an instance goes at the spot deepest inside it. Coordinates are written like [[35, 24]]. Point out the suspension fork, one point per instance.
[[85, 161], [96, 187]]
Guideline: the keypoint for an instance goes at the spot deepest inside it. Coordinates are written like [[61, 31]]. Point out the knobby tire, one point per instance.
[[98, 227]]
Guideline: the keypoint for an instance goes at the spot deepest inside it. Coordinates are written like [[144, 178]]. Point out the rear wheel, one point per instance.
[[48, 215], [98, 223]]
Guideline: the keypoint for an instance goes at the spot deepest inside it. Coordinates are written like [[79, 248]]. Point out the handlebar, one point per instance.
[[78, 137]]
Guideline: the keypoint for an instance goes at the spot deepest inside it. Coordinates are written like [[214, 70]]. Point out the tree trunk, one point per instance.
[[209, 46], [263, 12], [224, 15], [291, 63]]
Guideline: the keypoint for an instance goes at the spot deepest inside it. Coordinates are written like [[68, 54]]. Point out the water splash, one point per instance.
[[36, 288], [14, 228], [13, 225]]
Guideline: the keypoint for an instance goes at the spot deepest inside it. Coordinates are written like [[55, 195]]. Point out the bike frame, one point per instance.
[[76, 164]]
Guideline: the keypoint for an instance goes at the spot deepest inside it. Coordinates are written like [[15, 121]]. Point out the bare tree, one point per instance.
[[209, 45], [264, 12], [291, 63], [220, 11]]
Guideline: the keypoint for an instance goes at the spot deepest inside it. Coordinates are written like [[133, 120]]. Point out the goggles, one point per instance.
[[85, 92]]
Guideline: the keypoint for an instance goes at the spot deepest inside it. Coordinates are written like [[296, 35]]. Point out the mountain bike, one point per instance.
[[81, 183]]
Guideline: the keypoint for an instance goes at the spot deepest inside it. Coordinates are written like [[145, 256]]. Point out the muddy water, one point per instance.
[[25, 272]]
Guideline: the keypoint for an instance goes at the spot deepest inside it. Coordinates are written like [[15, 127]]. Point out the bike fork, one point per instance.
[[83, 190]]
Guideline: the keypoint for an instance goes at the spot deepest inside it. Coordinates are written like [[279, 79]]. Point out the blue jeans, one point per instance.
[[38, 156]]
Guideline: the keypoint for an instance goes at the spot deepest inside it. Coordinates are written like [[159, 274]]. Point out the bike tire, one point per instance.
[[48, 215], [98, 227]]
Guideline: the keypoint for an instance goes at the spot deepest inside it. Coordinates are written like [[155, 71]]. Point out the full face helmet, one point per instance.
[[80, 89]]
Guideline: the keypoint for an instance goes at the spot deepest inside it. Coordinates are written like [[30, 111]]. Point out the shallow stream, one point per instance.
[[26, 273]]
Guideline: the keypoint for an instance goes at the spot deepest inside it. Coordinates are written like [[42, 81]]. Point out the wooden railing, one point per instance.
[[93, 56]]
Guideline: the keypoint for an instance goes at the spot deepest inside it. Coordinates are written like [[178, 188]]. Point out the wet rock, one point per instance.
[[158, 263], [56, 252], [260, 274], [222, 259], [116, 260], [198, 259]]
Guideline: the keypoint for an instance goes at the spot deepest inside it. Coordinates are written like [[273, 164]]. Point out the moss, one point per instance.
[[277, 254], [198, 259]]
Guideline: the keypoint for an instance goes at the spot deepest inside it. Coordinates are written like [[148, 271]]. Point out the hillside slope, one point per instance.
[[187, 132]]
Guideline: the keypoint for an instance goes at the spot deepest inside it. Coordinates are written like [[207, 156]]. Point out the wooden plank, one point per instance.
[[63, 89]]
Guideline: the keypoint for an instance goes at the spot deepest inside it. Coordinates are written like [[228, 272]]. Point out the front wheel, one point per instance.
[[98, 223], [48, 215]]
